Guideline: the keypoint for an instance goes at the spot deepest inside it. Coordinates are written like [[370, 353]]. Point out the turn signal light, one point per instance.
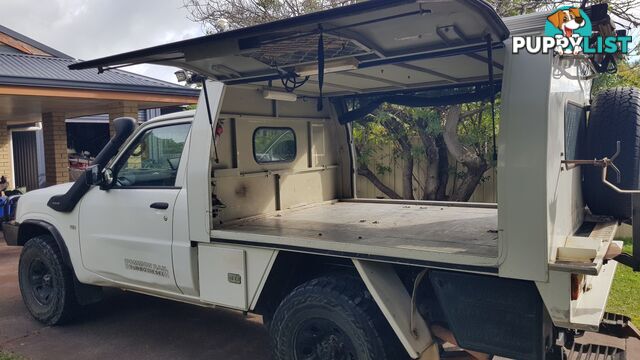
[[577, 285]]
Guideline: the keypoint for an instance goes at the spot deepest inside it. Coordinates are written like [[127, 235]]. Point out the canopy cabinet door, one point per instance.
[[369, 47]]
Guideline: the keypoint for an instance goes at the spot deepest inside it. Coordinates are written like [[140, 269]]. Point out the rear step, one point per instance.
[[614, 325], [619, 326], [595, 352]]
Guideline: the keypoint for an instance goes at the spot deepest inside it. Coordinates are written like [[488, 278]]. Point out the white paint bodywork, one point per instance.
[[199, 163], [34, 207], [536, 91], [101, 242], [129, 242], [539, 206], [218, 262], [531, 150], [586, 312], [522, 174]]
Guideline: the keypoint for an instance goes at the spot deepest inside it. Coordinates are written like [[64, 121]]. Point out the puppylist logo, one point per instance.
[[568, 30]]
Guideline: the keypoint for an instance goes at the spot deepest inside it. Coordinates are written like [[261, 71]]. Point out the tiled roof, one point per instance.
[[46, 71]]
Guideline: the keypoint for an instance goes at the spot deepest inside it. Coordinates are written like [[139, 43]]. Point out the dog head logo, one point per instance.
[[568, 31], [567, 21]]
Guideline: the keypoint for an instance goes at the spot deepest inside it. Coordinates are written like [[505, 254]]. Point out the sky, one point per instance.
[[88, 29]]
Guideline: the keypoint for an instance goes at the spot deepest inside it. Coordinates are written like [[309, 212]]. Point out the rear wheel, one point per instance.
[[46, 283], [332, 318], [615, 116]]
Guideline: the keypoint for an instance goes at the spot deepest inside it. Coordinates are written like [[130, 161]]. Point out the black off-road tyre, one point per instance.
[[46, 283], [615, 116], [332, 317]]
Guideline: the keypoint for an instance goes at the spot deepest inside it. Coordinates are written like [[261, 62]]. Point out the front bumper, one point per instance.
[[10, 230]]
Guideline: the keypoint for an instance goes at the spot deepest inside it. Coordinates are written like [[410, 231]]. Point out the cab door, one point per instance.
[[126, 232]]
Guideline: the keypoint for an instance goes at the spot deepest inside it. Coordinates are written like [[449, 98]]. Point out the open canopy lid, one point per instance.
[[369, 47]]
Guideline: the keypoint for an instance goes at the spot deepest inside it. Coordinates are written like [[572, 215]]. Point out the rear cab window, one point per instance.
[[274, 145]]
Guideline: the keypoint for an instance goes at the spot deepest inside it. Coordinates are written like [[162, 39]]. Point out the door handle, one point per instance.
[[159, 205]]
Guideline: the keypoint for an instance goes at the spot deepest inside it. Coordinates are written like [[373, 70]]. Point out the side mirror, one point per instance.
[[107, 179], [92, 175]]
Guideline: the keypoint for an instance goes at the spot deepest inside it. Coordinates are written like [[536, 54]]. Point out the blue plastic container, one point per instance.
[[4, 209], [12, 202]]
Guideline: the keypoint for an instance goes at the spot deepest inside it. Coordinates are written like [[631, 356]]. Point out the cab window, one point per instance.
[[153, 160], [274, 145]]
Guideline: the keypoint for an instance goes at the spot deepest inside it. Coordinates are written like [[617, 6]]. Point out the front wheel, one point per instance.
[[46, 283], [332, 318]]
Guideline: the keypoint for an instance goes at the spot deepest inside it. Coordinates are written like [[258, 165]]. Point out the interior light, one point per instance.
[[279, 95], [329, 67]]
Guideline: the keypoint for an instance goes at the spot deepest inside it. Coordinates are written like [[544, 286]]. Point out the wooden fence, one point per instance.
[[485, 192]]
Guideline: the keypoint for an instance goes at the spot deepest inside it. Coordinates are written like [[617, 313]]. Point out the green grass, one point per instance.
[[625, 292], [4, 355]]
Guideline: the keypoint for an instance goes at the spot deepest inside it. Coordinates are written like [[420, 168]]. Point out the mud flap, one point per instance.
[[493, 315], [86, 294]]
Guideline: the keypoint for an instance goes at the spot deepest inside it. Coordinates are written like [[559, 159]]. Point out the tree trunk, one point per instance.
[[443, 168], [431, 185], [407, 176], [460, 152], [364, 171], [431, 170], [465, 188], [403, 141], [476, 165]]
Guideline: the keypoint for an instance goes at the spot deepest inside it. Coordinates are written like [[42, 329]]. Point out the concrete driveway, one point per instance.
[[126, 326], [131, 326]]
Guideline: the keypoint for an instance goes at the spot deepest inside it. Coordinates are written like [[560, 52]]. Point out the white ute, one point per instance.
[[248, 202]]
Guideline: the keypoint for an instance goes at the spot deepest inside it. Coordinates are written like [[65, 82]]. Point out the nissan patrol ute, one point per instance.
[[248, 202]]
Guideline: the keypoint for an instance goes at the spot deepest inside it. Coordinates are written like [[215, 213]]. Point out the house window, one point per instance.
[[274, 145]]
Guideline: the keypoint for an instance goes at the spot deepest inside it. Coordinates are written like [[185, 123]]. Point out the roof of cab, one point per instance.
[[187, 114], [372, 46]]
